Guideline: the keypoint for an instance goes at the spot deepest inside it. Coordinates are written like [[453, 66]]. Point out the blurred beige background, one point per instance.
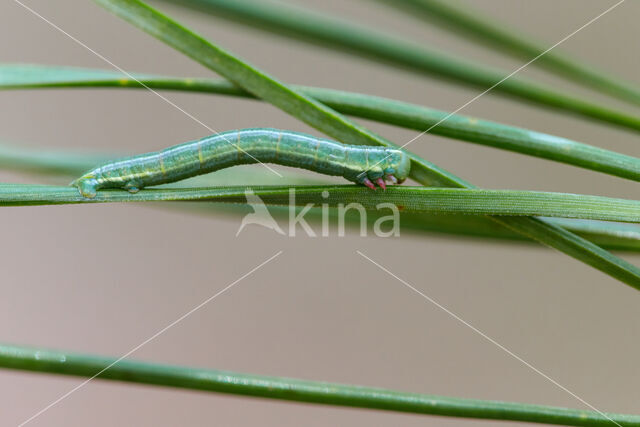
[[101, 279]]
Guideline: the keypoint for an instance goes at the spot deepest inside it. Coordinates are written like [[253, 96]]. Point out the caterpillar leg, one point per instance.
[[371, 181], [366, 181], [132, 186], [86, 186]]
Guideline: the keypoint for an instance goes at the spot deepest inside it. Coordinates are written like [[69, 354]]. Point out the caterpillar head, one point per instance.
[[390, 165], [399, 166]]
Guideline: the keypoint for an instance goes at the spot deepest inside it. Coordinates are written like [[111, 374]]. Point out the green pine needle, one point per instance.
[[383, 110], [288, 389], [302, 25]]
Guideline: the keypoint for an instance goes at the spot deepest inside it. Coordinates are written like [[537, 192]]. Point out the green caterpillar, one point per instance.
[[360, 164]]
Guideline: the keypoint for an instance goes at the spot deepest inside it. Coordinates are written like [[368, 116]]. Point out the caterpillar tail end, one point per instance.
[[86, 186]]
